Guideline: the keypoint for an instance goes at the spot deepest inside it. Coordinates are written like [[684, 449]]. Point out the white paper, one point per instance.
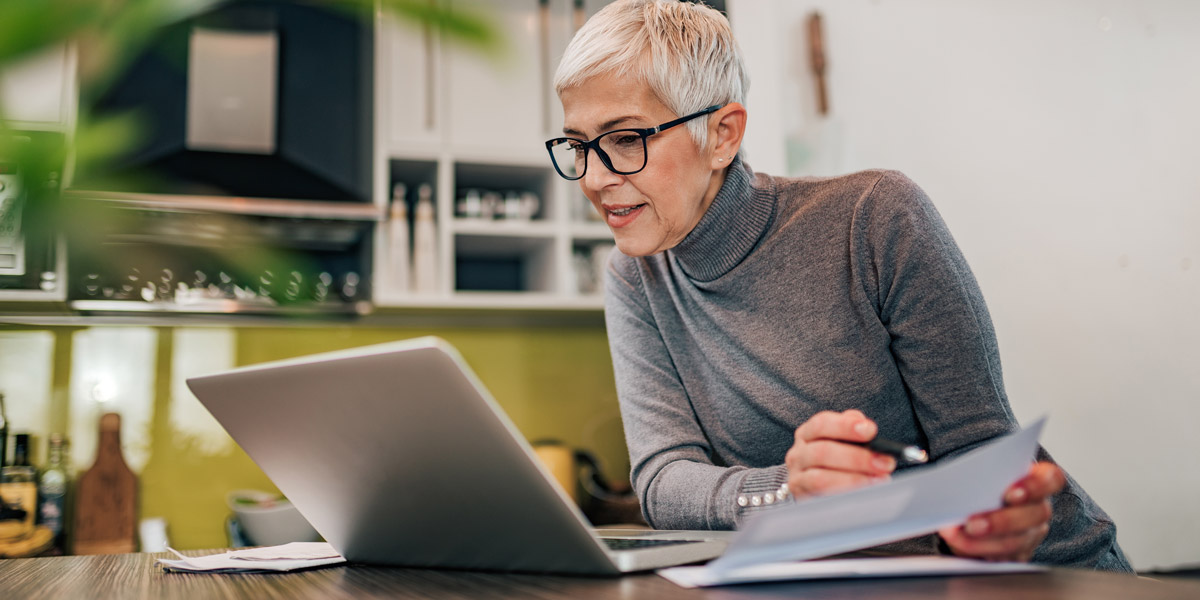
[[288, 557], [911, 504], [292, 551], [903, 566]]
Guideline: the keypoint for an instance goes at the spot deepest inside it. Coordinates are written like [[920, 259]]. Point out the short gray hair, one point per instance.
[[684, 51]]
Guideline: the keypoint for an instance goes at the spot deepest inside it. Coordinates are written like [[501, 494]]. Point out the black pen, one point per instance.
[[905, 452]]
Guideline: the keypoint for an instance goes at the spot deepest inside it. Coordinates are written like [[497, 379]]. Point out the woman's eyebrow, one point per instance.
[[605, 126]]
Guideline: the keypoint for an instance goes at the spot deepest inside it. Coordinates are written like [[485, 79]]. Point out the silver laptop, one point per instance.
[[398, 455]]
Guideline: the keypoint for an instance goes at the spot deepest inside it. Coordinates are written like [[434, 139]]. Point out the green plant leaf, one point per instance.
[[455, 23], [29, 26]]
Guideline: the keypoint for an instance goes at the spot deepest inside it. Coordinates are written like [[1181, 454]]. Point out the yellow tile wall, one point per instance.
[[554, 382]]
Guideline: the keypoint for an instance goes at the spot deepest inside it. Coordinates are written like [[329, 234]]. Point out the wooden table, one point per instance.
[[136, 576]]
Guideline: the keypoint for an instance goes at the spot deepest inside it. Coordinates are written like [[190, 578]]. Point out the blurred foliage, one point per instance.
[[466, 28], [107, 36]]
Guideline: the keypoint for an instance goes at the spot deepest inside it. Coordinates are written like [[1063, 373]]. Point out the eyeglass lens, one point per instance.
[[621, 151]]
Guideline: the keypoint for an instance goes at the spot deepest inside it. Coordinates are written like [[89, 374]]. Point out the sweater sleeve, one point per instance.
[[946, 352], [942, 340], [673, 473]]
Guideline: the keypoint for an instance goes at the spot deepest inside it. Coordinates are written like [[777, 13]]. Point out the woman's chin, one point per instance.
[[628, 245], [634, 246]]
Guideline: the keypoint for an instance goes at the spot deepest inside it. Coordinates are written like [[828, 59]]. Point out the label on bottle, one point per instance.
[[18, 510], [50, 512]]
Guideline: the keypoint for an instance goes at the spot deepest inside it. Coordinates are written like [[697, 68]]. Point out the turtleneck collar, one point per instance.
[[735, 221]]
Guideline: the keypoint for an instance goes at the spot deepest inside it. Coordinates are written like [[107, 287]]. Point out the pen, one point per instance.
[[897, 450]]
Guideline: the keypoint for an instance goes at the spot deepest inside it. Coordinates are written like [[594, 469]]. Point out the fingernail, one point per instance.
[[976, 526], [1015, 495], [884, 463], [865, 428]]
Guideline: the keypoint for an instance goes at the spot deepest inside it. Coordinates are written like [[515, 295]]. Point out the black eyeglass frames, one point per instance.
[[623, 151]]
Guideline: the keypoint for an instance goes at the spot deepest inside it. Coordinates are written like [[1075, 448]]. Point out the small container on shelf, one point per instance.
[[425, 259], [493, 205], [469, 205], [397, 266], [490, 206], [503, 192]]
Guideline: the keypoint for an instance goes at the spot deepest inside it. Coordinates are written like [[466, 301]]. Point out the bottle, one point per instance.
[[397, 241], [514, 209], [52, 489], [18, 488], [474, 202], [424, 243], [3, 434], [491, 205], [20, 456], [531, 204]]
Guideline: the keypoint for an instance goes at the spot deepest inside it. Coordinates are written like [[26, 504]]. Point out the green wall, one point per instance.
[[554, 382]]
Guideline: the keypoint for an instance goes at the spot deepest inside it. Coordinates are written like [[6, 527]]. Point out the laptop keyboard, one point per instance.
[[638, 543]]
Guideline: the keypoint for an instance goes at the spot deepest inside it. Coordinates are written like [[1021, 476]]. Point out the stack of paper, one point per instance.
[[288, 557], [844, 568], [911, 504]]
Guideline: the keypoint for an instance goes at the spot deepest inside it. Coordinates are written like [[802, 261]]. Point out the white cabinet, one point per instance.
[[510, 232], [496, 100], [408, 79]]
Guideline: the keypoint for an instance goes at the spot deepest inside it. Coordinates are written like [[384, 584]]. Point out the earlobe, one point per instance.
[[730, 127]]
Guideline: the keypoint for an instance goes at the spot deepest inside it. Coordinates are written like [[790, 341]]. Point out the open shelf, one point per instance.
[[504, 264]]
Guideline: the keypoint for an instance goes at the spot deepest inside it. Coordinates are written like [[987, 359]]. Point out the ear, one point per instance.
[[727, 128]]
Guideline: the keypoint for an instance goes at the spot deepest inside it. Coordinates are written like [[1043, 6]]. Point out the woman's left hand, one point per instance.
[[1013, 532]]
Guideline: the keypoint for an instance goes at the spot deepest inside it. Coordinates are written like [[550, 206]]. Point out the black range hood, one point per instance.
[[319, 73]]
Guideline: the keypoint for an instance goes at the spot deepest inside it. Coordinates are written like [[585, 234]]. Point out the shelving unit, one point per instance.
[[444, 116], [457, 121]]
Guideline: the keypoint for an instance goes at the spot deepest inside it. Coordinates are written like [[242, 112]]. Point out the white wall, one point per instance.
[[1061, 142]]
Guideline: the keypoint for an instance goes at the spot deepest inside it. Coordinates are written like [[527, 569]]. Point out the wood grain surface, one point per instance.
[[137, 576]]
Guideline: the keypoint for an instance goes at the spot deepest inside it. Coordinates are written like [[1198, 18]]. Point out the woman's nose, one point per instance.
[[598, 175]]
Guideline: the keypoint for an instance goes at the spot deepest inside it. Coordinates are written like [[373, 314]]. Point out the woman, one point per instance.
[[760, 325]]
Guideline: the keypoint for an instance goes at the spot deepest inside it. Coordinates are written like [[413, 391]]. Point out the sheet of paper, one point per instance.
[[914, 503], [288, 557], [292, 551], [844, 568]]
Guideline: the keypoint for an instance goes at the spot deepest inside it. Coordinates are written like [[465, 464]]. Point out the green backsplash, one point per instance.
[[555, 383]]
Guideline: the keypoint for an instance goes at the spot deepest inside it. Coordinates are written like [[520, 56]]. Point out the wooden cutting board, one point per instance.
[[106, 498]]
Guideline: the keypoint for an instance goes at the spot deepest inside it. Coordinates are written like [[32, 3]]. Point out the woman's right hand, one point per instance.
[[821, 461]]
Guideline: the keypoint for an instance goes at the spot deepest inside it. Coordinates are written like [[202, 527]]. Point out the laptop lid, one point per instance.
[[398, 455]]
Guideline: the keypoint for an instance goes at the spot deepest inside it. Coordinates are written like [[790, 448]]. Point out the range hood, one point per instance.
[[256, 98]]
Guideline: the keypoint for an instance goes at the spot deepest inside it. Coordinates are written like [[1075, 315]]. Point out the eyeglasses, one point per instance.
[[623, 151]]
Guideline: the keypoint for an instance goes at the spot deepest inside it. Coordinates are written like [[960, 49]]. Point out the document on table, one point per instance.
[[288, 557], [915, 503], [843, 568]]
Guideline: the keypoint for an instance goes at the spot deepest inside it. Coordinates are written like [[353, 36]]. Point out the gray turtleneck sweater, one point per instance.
[[793, 296]]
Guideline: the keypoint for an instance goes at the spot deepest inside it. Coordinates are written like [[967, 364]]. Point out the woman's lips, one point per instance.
[[620, 216]]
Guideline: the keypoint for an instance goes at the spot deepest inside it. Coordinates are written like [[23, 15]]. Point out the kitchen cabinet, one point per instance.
[[471, 127], [498, 101], [408, 79], [177, 229], [465, 124]]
